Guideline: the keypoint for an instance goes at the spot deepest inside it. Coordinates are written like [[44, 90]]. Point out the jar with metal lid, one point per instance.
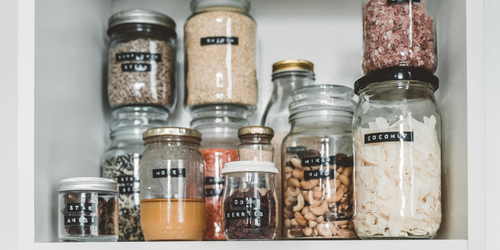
[[399, 33], [317, 175], [255, 143], [121, 161], [88, 209], [220, 54], [172, 191], [397, 135], [288, 75], [219, 125], [250, 208], [142, 59]]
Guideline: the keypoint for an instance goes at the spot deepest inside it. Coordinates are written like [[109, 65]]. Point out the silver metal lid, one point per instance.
[[88, 184], [141, 16]]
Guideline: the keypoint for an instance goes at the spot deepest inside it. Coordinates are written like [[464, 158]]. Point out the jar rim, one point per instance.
[[255, 130], [249, 166], [171, 131], [88, 184], [140, 16], [201, 4]]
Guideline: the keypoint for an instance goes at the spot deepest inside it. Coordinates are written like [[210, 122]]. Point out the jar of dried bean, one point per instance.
[[249, 201], [256, 143], [142, 59], [172, 191], [88, 209], [397, 134], [399, 33], [219, 125], [317, 165], [220, 51], [121, 161]]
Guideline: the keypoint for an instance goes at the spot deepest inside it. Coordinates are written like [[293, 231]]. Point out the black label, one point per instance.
[[138, 56], [128, 190], [389, 137], [402, 1], [214, 40], [245, 202], [214, 180], [136, 67], [319, 174], [294, 150], [80, 207], [173, 172], [81, 220], [318, 161], [210, 192], [250, 214], [122, 179]]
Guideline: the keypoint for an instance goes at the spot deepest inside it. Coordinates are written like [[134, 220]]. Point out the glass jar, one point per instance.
[[399, 33], [142, 59], [121, 161], [397, 134], [88, 209], [318, 165], [219, 125], [249, 205], [256, 143], [172, 191], [220, 52]]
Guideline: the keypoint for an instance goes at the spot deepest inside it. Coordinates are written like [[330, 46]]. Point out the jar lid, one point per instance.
[[171, 131], [140, 16], [396, 74], [293, 64], [255, 130], [201, 4], [88, 184], [249, 166]]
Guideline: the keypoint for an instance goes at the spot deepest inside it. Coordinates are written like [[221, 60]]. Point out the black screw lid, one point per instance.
[[396, 73]]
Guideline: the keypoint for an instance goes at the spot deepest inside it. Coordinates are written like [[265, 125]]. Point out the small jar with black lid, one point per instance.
[[142, 59]]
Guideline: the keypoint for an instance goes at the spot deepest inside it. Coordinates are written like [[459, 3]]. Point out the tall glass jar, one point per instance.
[[172, 191], [220, 54], [121, 161], [219, 125], [397, 135], [256, 144], [399, 33], [318, 165], [142, 59]]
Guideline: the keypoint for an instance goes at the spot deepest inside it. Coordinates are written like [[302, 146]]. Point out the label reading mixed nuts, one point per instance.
[[318, 161], [389, 137], [214, 40], [319, 174], [80, 207], [81, 220], [138, 56], [136, 67], [173, 172], [402, 1]]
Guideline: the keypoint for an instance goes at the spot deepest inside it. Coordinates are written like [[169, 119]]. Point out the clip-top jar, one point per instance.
[[397, 134], [172, 191], [142, 59]]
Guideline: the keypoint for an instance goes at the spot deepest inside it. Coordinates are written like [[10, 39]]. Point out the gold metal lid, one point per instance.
[[253, 130], [293, 64], [171, 131]]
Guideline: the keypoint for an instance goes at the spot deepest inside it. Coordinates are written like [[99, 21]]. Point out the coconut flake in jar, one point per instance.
[[398, 183]]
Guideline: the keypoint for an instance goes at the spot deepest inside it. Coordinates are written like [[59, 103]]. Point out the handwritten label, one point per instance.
[[215, 40], [389, 137], [173, 172], [81, 220], [137, 56]]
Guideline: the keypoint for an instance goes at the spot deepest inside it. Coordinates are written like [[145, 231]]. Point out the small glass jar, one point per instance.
[[121, 161], [88, 209], [219, 125], [317, 165], [250, 208], [399, 33], [142, 59], [256, 143], [397, 135], [172, 191], [220, 54]]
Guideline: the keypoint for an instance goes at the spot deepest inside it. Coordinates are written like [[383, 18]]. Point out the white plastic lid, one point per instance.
[[88, 184], [249, 166]]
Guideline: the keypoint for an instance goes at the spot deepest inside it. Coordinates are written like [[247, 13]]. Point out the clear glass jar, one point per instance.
[[250, 206], [399, 33], [256, 143], [397, 134], [219, 125], [121, 161], [88, 209], [172, 191], [220, 54], [317, 175], [142, 59]]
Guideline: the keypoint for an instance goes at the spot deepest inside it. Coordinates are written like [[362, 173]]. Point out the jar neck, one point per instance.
[[397, 91], [172, 141], [125, 138], [294, 79], [256, 139], [135, 30], [242, 6], [330, 123]]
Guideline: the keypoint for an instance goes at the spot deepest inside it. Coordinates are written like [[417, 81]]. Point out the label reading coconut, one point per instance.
[[319, 174], [136, 67], [214, 180], [173, 172], [210, 192], [80, 207], [402, 1], [318, 161], [252, 215], [138, 56], [294, 150], [214, 40], [81, 220], [389, 137]]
